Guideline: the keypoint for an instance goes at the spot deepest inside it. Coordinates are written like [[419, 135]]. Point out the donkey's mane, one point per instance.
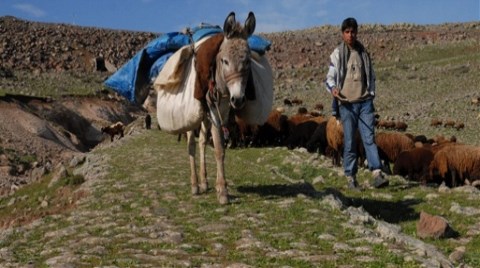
[[238, 32]]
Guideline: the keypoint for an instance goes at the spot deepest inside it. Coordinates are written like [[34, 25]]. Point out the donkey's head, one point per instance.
[[233, 59]]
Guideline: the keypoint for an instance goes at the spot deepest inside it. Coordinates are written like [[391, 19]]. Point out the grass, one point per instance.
[[267, 212], [28, 203], [260, 197], [53, 85]]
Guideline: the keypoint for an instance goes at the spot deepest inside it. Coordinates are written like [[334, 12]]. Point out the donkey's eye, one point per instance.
[[225, 62]]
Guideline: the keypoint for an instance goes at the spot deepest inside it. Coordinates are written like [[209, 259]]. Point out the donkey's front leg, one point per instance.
[[221, 184], [191, 156], [202, 140]]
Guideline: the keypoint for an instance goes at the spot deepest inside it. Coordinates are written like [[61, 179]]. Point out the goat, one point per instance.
[[114, 129]]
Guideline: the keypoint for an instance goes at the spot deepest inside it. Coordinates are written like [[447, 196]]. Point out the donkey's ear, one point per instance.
[[229, 24], [250, 23]]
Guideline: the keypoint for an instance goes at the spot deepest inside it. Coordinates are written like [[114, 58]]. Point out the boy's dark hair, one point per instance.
[[350, 23]]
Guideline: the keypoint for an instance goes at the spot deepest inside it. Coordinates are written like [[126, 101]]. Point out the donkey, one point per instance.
[[227, 90]]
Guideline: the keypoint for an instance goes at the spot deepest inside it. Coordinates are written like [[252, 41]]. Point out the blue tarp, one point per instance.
[[144, 67]]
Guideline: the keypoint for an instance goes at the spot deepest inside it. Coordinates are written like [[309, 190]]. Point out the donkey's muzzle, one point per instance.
[[237, 102]]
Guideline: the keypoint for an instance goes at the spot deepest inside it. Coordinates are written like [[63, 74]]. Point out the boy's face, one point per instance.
[[349, 36]]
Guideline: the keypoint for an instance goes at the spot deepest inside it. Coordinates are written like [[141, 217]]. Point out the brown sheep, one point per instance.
[[318, 107], [459, 126], [287, 102], [318, 140], [380, 123], [449, 123], [386, 124], [410, 135], [420, 138], [297, 101], [296, 119], [114, 129], [390, 145], [440, 139], [334, 130], [401, 126], [315, 113], [335, 139], [414, 164], [274, 132], [436, 123], [301, 134], [454, 163], [302, 110], [240, 134]]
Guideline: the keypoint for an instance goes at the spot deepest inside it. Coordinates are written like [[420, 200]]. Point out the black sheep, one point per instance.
[[148, 121], [301, 134], [318, 141], [414, 164]]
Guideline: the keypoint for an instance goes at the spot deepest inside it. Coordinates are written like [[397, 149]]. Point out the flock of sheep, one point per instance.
[[416, 157]]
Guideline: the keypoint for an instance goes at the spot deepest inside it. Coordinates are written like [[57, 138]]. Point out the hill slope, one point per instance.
[[289, 208]]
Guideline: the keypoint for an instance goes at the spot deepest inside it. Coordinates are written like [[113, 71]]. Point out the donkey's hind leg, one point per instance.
[[191, 156]]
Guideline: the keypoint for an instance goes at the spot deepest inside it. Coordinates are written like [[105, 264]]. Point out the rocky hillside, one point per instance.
[[61, 47], [55, 61], [299, 58], [41, 47]]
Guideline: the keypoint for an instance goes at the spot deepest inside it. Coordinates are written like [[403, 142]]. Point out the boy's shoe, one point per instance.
[[352, 183], [379, 181]]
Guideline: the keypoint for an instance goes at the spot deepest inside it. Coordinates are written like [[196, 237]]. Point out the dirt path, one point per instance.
[[138, 213]]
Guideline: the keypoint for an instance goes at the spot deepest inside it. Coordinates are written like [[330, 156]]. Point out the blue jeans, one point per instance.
[[361, 116], [335, 111]]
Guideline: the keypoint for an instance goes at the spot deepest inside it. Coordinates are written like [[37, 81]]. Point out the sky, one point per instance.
[[162, 16]]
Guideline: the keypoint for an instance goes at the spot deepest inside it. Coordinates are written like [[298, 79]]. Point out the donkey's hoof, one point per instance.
[[222, 197], [223, 200], [195, 190], [203, 188]]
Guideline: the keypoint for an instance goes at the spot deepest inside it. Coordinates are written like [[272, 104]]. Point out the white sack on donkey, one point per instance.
[[179, 111]]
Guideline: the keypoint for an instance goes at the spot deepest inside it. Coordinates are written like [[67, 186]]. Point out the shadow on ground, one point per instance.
[[390, 211]]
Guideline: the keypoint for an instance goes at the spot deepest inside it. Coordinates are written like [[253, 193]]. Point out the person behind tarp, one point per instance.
[[351, 81]]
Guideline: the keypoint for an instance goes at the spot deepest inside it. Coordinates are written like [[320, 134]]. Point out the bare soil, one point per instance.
[[36, 134]]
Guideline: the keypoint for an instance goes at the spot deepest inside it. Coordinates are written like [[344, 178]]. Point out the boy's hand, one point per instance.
[[335, 92]]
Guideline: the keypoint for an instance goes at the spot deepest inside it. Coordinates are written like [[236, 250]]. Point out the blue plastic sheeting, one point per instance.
[[144, 67], [259, 44], [158, 65]]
